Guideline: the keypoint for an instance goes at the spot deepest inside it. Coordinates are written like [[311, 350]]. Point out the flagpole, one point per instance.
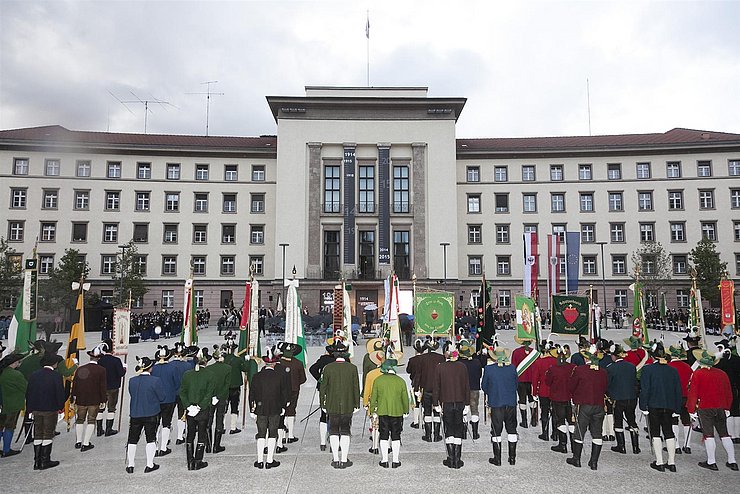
[[367, 35]]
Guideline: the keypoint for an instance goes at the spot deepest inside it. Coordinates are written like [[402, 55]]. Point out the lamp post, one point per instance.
[[444, 253], [123, 268], [284, 246], [603, 281]]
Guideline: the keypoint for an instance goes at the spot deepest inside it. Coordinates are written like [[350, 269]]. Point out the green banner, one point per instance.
[[525, 315], [570, 315], [434, 313]]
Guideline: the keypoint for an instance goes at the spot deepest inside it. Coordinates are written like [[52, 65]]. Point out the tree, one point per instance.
[[128, 275], [709, 269], [10, 272], [654, 265], [57, 289]]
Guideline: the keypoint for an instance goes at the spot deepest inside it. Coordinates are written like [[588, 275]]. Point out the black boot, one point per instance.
[[554, 436], [198, 462], [217, 448], [36, 456], [562, 446], [437, 435], [512, 453], [27, 425], [457, 453], [575, 460], [427, 432], [99, 424], [189, 456], [619, 448], [209, 440], [593, 462], [545, 430], [109, 428], [496, 460], [474, 426], [635, 437], [46, 461], [523, 424], [465, 430], [448, 461]]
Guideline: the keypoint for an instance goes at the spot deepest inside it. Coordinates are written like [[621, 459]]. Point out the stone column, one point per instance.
[[419, 240], [313, 268]]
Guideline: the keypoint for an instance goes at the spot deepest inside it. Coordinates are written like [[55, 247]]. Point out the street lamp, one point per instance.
[[122, 267], [444, 253], [603, 281], [284, 246]]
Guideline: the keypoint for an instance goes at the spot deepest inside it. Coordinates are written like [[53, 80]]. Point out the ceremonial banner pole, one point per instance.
[[123, 323]]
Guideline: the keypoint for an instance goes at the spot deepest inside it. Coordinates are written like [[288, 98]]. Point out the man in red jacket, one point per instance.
[[89, 396], [557, 379], [540, 389], [588, 385], [678, 362], [710, 397], [524, 386]]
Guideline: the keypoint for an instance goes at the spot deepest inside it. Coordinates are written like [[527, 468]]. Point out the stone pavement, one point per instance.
[[305, 469]]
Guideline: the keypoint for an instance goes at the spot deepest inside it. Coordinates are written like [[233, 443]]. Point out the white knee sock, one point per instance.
[[281, 436], [80, 432], [99, 416], [151, 449], [687, 435], [165, 438], [261, 449], [610, 424], [730, 448], [271, 442], [131, 454], [675, 433], [376, 438], [711, 447], [396, 445], [658, 450], [344, 446], [334, 441], [181, 429], [234, 421], [89, 430], [323, 428], [110, 415], [670, 445], [384, 450], [37, 442], [290, 423], [417, 413]]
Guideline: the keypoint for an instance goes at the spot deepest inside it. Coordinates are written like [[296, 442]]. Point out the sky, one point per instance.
[[523, 66]]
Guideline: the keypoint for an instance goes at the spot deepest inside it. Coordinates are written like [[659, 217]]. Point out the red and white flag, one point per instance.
[[553, 270], [530, 264]]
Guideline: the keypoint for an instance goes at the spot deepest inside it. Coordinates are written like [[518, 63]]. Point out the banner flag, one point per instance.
[[530, 264], [75, 343], [294, 320], [189, 324], [639, 324], [121, 330], [525, 314], [727, 297], [255, 345], [434, 313], [553, 265], [244, 321], [486, 326], [570, 315], [572, 256]]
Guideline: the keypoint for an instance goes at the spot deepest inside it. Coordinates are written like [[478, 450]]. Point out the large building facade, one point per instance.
[[359, 182]]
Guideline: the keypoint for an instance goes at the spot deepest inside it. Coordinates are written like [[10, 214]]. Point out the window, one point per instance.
[[557, 202], [366, 265], [706, 199], [587, 202], [228, 234], [113, 169], [106, 296], [18, 198], [620, 298], [589, 265], [138, 265], [79, 232], [172, 201], [645, 200], [559, 230], [142, 201], [367, 189], [530, 228], [473, 174], [675, 200], [402, 254], [141, 233], [616, 232], [84, 168], [643, 171], [200, 298], [20, 166], [46, 263], [169, 265], [258, 173], [619, 264], [703, 168], [475, 265], [201, 172], [588, 233], [736, 230], [648, 264], [528, 173], [229, 204], [737, 264], [48, 231], [473, 203], [584, 172], [331, 255], [50, 199], [502, 234], [258, 265], [108, 264], [504, 298], [709, 230], [503, 265], [735, 198], [199, 265], [673, 169], [647, 232], [112, 200], [614, 171], [51, 168], [231, 173], [678, 231], [227, 299], [616, 201], [529, 203], [401, 189], [258, 203], [500, 174], [331, 189], [168, 299], [474, 234], [110, 232], [502, 203], [173, 171], [200, 234], [733, 168], [170, 233], [556, 173], [679, 264], [201, 202], [257, 234], [82, 199], [682, 298], [143, 171]]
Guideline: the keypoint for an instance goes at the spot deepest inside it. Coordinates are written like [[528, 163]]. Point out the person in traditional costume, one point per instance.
[[13, 392], [524, 386], [451, 399], [45, 396], [147, 397], [500, 384], [169, 377], [622, 391], [184, 360], [588, 386], [89, 396], [389, 401], [475, 373], [316, 370], [297, 376], [427, 371], [197, 392], [557, 378], [729, 362], [221, 376], [412, 368], [268, 396], [243, 370], [678, 357], [114, 372], [377, 357], [540, 389]]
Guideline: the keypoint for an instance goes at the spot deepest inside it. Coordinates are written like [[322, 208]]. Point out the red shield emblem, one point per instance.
[[570, 314], [434, 315]]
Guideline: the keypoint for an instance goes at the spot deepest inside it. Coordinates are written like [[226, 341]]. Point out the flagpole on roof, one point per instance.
[[367, 35]]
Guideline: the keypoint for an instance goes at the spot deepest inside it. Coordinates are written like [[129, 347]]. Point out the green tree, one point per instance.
[[10, 272], [709, 268], [128, 276], [654, 265], [59, 299]]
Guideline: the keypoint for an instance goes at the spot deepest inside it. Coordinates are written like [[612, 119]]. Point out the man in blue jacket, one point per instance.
[[44, 398], [170, 376], [500, 386], [147, 395], [623, 392], [114, 372]]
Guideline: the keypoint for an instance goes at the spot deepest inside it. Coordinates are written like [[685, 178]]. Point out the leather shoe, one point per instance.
[[129, 469], [709, 466], [281, 449], [383, 464], [731, 466], [322, 447], [163, 453], [374, 451], [671, 468], [272, 465], [259, 464], [336, 464], [655, 466], [78, 445], [152, 468], [292, 440], [86, 447], [345, 464], [179, 442], [235, 431], [395, 464]]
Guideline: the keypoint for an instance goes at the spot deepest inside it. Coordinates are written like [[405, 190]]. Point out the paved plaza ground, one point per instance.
[[305, 469]]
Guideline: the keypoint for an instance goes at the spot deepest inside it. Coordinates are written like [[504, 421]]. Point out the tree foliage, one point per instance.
[[127, 267], [709, 268], [10, 272], [654, 265]]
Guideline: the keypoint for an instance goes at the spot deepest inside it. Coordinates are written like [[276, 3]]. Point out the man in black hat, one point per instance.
[[114, 375], [89, 397], [730, 364], [170, 378], [184, 360], [588, 386], [297, 376], [221, 375], [623, 392], [268, 396], [13, 392], [44, 398], [147, 396], [428, 363], [242, 371], [412, 368], [692, 340], [451, 398], [197, 391], [316, 370]]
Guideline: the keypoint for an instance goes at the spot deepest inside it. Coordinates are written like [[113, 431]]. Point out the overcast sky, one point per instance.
[[522, 65]]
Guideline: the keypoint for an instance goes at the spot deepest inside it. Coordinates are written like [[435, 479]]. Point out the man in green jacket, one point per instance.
[[197, 391], [389, 401], [339, 396], [13, 390], [239, 367], [221, 374]]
